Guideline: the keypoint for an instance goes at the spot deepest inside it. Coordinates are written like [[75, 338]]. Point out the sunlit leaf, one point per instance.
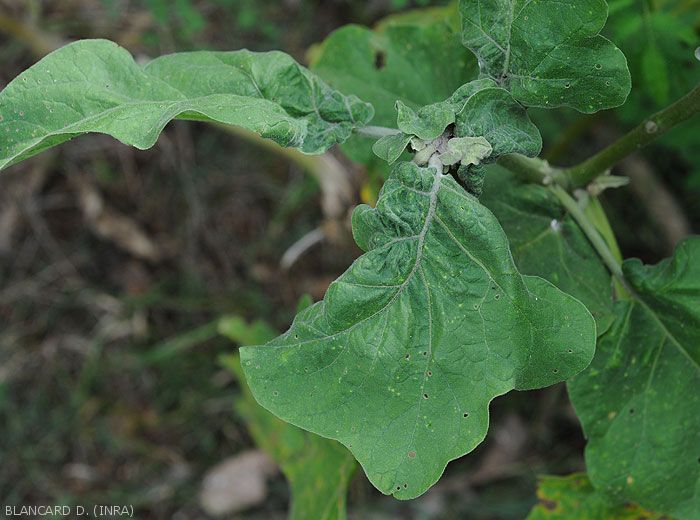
[[547, 53], [95, 86], [401, 359]]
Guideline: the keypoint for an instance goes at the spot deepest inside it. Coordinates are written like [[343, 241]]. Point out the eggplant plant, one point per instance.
[[484, 270]]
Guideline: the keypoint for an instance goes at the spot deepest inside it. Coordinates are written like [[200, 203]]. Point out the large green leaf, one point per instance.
[[574, 498], [548, 53], [318, 469], [546, 241], [95, 86], [401, 359], [417, 60], [639, 401]]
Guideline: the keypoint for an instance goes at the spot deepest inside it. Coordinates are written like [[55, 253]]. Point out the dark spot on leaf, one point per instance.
[[466, 414], [425, 396], [425, 353], [430, 373], [631, 411], [570, 351], [412, 454], [379, 60], [556, 371], [549, 505], [405, 486], [407, 356]]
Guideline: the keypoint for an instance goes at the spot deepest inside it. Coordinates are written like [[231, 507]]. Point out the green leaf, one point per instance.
[[547, 53], [427, 122], [391, 147], [95, 86], [318, 469], [639, 402], [491, 112], [466, 150], [417, 60], [401, 359], [546, 241], [574, 498], [655, 74]]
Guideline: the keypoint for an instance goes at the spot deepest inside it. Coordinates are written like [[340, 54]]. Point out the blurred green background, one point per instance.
[[115, 266]]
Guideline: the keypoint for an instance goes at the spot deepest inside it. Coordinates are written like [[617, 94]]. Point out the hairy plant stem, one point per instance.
[[377, 131], [580, 175], [591, 232], [644, 133]]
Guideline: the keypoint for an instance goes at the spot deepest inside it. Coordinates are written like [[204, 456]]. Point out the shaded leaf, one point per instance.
[[416, 59], [95, 86], [318, 469], [401, 359], [547, 242], [639, 402], [547, 53], [574, 498]]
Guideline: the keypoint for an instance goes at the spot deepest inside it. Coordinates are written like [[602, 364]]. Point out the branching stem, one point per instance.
[[643, 134], [590, 231]]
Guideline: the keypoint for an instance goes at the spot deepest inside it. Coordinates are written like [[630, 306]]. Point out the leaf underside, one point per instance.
[[547, 53], [401, 359], [95, 86], [639, 401]]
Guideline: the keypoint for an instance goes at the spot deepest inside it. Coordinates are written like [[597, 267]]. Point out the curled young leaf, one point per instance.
[[465, 150], [547, 53], [428, 122], [390, 147], [401, 359], [95, 86]]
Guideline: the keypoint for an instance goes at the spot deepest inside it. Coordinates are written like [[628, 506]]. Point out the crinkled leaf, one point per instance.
[[418, 60], [639, 401], [492, 112], [479, 109], [401, 359], [95, 86], [391, 147], [547, 242], [574, 498], [547, 53], [466, 150], [318, 469], [427, 122]]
